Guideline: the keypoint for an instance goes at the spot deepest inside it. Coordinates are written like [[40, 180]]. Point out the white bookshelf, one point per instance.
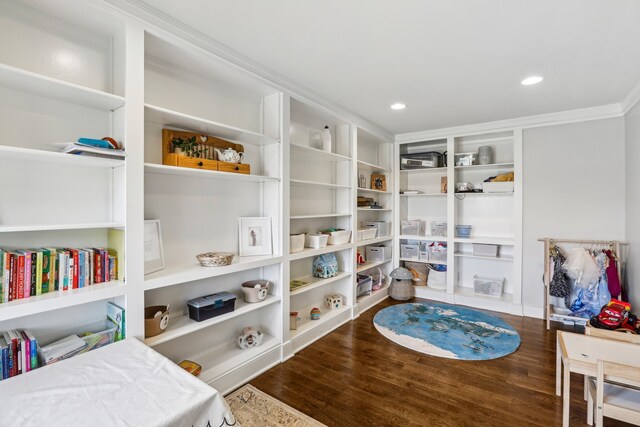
[[495, 217]]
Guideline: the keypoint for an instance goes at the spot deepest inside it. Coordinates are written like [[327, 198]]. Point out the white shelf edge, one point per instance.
[[486, 167], [57, 227], [507, 241], [317, 283], [373, 167], [424, 170], [189, 273], [202, 173], [34, 155], [422, 261], [175, 119], [374, 240], [309, 252], [423, 195], [186, 325], [309, 325], [370, 264], [471, 255], [374, 210], [318, 216], [300, 182], [423, 238], [234, 358], [27, 81], [373, 191], [57, 299], [317, 154]]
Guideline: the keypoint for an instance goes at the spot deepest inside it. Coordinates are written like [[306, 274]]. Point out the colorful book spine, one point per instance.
[[27, 273], [10, 366], [17, 362], [34, 272], [98, 266], [46, 269], [81, 270], [61, 271], [26, 352], [4, 357], [39, 273], [1, 278], [7, 276], [34, 348], [53, 285]]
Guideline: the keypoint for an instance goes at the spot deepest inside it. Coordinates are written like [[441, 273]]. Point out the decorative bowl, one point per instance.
[[215, 259]]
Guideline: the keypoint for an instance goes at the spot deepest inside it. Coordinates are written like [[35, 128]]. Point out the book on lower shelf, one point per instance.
[[18, 353], [25, 273], [84, 147]]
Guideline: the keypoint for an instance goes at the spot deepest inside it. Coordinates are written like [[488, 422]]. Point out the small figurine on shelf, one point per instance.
[[333, 302], [359, 258], [251, 337], [293, 320], [325, 266], [326, 139], [315, 313], [362, 181]]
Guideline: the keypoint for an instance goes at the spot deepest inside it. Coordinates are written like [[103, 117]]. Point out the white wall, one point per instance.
[[574, 187], [632, 174]]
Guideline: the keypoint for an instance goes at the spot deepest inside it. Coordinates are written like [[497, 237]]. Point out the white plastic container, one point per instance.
[[481, 249], [423, 256], [316, 241], [367, 233], [296, 243], [384, 227], [497, 187], [378, 253], [487, 286], [414, 227], [340, 237], [437, 280], [410, 252]]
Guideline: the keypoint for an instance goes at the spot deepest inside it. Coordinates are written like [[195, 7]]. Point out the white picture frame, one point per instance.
[[153, 251], [255, 236]]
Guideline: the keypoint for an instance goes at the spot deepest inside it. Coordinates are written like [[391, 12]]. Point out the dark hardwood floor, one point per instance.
[[356, 377]]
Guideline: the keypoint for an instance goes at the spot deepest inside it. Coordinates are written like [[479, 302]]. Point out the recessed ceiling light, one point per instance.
[[398, 106], [531, 80]]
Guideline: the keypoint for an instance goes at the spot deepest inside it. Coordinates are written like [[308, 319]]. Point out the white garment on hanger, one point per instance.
[[581, 266]]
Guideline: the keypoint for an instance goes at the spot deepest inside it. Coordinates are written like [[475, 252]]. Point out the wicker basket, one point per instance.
[[215, 259]]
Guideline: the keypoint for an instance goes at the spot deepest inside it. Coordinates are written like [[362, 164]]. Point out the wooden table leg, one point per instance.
[[565, 394], [558, 368]]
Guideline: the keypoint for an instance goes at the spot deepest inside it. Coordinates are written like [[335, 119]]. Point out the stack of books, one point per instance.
[[94, 148], [29, 272], [18, 353]]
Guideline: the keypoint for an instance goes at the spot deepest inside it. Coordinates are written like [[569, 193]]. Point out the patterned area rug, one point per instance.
[[446, 330], [254, 408]]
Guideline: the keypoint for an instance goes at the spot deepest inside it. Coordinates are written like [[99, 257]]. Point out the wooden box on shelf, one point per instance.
[[202, 154]]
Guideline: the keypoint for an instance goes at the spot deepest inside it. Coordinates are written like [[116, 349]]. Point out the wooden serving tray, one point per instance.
[[205, 143]]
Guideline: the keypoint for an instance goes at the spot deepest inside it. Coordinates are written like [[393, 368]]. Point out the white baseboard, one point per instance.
[[535, 312]]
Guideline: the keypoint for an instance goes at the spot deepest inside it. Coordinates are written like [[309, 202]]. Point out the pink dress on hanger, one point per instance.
[[612, 276]]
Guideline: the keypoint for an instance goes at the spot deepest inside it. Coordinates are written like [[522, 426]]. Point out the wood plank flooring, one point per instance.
[[356, 377]]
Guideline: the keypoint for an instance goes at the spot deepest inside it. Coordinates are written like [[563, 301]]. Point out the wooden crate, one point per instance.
[[204, 158]]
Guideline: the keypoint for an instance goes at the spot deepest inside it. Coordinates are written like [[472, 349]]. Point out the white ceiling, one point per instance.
[[453, 62]]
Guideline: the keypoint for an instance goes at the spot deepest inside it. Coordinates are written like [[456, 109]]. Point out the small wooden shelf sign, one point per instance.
[[198, 151]]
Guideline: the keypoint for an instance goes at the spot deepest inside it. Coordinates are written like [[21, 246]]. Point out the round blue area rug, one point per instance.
[[446, 330]]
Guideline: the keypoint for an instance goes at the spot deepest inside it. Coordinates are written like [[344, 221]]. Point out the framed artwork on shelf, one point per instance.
[[153, 253], [255, 236], [378, 182]]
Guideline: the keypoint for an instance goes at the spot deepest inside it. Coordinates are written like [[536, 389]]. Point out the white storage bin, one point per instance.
[[439, 228], [339, 237], [487, 286], [383, 227], [481, 249], [438, 253], [410, 251], [316, 241], [497, 187], [423, 256], [414, 227], [367, 233], [296, 243], [378, 253], [437, 280]]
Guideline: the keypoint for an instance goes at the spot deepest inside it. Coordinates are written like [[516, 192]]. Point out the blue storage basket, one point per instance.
[[463, 231]]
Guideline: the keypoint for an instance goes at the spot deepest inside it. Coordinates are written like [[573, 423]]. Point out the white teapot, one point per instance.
[[229, 155]]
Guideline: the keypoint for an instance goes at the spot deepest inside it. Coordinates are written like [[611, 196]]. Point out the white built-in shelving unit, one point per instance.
[[495, 217], [80, 68]]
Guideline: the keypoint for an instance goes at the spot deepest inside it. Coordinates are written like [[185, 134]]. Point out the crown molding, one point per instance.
[[153, 18], [549, 119], [631, 100]]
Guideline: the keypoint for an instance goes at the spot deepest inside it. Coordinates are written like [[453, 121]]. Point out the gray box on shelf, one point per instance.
[[410, 251], [378, 253], [383, 227], [487, 286], [412, 227], [482, 249]]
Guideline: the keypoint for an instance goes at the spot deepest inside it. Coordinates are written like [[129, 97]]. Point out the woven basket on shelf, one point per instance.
[[215, 259]]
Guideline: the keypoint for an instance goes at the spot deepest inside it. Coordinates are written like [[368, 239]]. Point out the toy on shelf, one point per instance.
[[293, 320], [333, 302], [615, 315], [315, 313], [325, 266], [359, 258], [192, 367], [251, 337]]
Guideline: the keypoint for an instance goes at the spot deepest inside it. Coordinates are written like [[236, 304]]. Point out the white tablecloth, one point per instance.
[[122, 384]]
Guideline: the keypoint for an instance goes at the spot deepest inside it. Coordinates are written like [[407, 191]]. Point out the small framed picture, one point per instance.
[[255, 236], [378, 182], [153, 253]]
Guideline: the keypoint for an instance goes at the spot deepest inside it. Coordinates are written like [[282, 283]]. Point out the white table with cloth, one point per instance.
[[122, 384]]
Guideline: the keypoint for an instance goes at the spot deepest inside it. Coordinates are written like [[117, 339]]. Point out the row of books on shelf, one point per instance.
[[20, 352], [30, 272]]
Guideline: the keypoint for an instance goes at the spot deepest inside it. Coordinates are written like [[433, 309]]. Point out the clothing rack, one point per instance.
[[614, 245]]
